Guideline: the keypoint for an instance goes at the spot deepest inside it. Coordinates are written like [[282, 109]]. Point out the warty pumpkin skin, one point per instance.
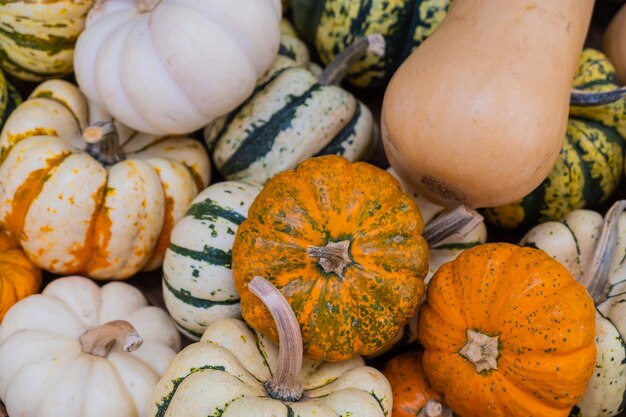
[[9, 99], [198, 286], [79, 350], [573, 243], [332, 25], [173, 66], [589, 167], [507, 331], [37, 37], [614, 43], [493, 58], [19, 278], [76, 214], [343, 243]]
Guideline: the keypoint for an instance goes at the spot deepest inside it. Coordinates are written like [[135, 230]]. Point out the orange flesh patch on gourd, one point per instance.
[[13, 139], [25, 194], [166, 231], [100, 236]]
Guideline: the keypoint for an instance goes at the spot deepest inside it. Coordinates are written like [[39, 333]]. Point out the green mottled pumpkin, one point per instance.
[[589, 167], [9, 99], [332, 25]]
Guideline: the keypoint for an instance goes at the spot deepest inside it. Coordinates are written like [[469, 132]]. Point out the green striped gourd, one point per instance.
[[332, 25], [581, 243], [293, 115], [197, 280], [9, 99], [37, 37], [590, 165], [440, 253]]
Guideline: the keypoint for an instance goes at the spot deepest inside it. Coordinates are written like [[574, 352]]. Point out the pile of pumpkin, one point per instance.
[[199, 140]]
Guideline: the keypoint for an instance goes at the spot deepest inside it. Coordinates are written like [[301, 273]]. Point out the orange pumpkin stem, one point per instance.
[[100, 340], [459, 221], [285, 385], [338, 68], [434, 409], [481, 350], [334, 257], [103, 143], [596, 276]]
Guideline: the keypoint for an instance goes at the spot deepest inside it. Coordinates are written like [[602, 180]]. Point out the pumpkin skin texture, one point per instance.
[[220, 50], [9, 99], [198, 286], [614, 43], [589, 167], [332, 25], [45, 371], [73, 215], [544, 322], [330, 201], [19, 278], [410, 387], [223, 374], [431, 152], [37, 37], [572, 242]]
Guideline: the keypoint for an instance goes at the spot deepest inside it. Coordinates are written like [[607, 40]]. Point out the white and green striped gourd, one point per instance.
[[197, 280], [294, 115]]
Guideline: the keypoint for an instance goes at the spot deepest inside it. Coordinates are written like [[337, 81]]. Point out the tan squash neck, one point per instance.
[[103, 143], [481, 350], [100, 340], [596, 276], [339, 67], [434, 409], [285, 385], [334, 257]]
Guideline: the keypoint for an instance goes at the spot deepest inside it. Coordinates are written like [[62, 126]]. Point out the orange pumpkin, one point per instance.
[[19, 277], [508, 332], [344, 245], [410, 387]]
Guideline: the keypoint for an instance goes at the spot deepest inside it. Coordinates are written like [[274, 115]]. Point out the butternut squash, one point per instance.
[[477, 114], [614, 44]]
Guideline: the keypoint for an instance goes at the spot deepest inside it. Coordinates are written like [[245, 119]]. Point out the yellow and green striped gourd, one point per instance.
[[591, 162], [9, 99]]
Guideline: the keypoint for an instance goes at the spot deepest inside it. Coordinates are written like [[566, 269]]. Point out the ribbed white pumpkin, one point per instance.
[[45, 370], [173, 66]]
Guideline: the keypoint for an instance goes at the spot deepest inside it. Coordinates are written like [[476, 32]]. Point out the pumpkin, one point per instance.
[[9, 99], [501, 76], [198, 286], [19, 278], [291, 117], [37, 37], [412, 394], [235, 371], [173, 66], [589, 167], [593, 250], [343, 243], [332, 25], [507, 331], [74, 351], [614, 43], [103, 209]]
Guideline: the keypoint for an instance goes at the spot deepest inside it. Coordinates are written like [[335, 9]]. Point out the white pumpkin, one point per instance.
[[76, 208], [236, 372], [64, 353], [198, 286], [574, 242], [173, 66]]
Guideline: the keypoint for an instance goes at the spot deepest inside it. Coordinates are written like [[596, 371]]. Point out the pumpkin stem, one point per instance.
[[100, 340], [333, 257], [435, 409], [596, 276], [285, 385], [589, 99], [459, 221], [103, 143], [339, 67], [481, 350], [147, 5]]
